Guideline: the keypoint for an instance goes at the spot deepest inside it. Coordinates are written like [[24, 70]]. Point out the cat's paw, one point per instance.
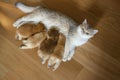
[[18, 23], [69, 58], [64, 59]]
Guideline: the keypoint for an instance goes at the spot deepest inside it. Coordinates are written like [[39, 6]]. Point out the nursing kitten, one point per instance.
[[27, 30], [57, 55], [47, 46], [76, 35], [33, 41]]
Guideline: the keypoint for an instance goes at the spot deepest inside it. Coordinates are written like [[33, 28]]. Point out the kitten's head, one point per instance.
[[53, 33], [86, 30]]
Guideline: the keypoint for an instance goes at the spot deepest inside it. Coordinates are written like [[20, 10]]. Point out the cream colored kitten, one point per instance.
[[76, 35], [33, 41]]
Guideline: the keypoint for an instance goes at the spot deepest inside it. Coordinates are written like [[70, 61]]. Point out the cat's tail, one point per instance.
[[24, 8]]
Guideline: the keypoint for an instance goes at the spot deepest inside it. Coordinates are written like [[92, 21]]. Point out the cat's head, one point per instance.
[[86, 30]]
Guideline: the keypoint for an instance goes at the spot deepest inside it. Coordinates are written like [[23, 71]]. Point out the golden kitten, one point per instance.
[[27, 30], [57, 55], [48, 45]]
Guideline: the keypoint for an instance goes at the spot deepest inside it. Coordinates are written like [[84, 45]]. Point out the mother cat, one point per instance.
[[76, 35]]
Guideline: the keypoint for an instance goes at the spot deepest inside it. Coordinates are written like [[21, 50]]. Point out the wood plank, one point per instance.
[[21, 64], [99, 59]]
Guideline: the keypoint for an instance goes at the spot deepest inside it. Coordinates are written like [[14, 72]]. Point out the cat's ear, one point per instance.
[[95, 31], [85, 21]]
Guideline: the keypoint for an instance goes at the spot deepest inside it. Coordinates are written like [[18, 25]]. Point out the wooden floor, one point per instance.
[[99, 59]]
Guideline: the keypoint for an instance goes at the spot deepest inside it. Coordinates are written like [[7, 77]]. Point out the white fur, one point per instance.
[[67, 26], [77, 39], [26, 9]]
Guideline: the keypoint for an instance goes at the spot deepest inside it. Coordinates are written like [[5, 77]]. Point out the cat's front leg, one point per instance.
[[71, 53], [66, 52]]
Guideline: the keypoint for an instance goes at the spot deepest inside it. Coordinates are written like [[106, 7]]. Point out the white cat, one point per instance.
[[76, 35]]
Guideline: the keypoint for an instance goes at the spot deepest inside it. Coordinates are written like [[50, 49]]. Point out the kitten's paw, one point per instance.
[[24, 41], [43, 62], [54, 69], [16, 37], [23, 46]]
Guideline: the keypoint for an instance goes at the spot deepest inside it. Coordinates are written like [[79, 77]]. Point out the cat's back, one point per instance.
[[54, 18]]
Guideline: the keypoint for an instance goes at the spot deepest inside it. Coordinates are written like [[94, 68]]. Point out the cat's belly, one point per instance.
[[63, 28], [77, 41]]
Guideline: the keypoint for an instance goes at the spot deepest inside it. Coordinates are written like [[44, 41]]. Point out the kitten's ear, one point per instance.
[[85, 21], [95, 31]]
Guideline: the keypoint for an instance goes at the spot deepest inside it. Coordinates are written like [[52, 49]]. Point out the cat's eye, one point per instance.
[[83, 30], [87, 33]]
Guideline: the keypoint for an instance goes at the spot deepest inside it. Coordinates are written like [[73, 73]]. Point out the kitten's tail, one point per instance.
[[25, 8]]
